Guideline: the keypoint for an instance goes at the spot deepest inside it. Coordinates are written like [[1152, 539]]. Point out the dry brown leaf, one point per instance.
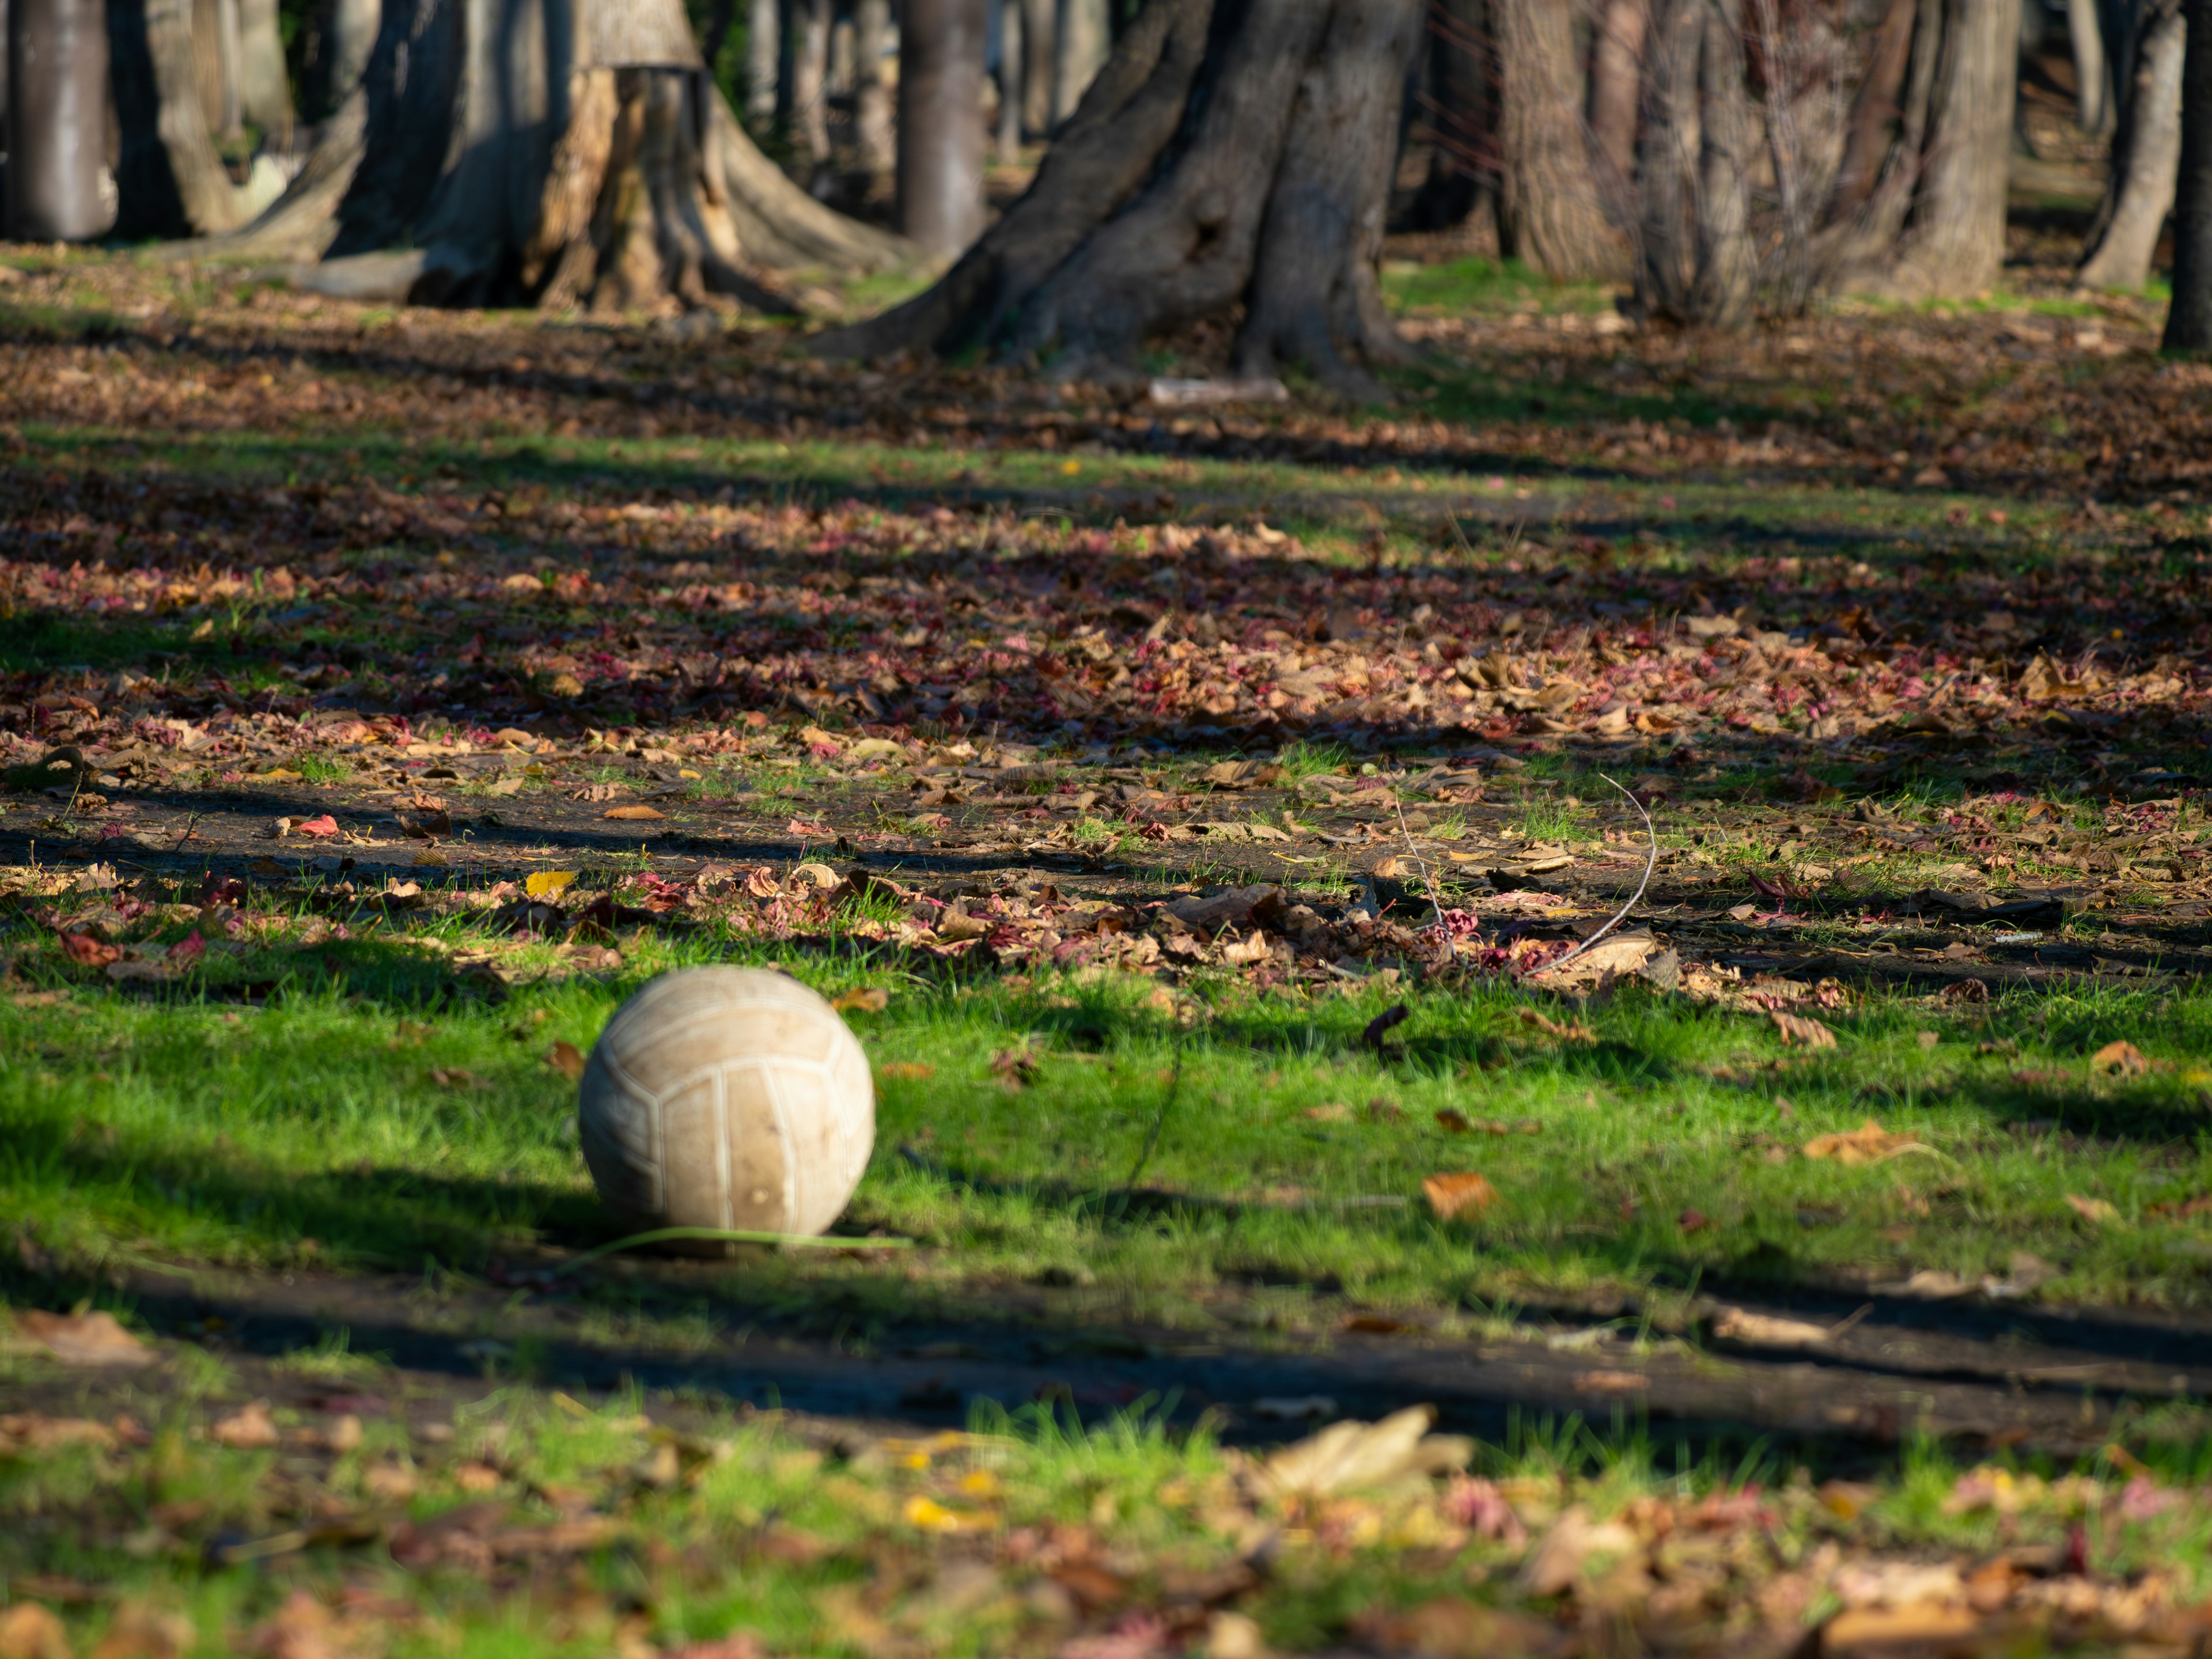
[[1867, 1144], [630, 813], [1573, 1031], [906, 1070], [2120, 1060], [1459, 1193], [1766, 1330], [28, 1631], [88, 1338], [245, 1429], [1797, 1029], [567, 1059], [1455, 1121], [2095, 1211]]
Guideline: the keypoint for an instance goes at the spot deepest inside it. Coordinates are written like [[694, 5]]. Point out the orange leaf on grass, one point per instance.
[[870, 1000], [567, 1059], [2122, 1060], [630, 813], [84, 949], [1867, 1144], [1459, 1193]]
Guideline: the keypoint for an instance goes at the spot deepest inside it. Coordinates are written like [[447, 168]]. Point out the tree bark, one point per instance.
[[1085, 36], [1955, 242], [873, 123], [809, 79], [1552, 211], [1464, 162], [1617, 87], [264, 90], [2146, 159], [2189, 321], [2092, 91], [1876, 112], [763, 62], [1009, 80], [540, 151], [1040, 61], [940, 167], [1698, 265], [58, 189], [1232, 152], [169, 179]]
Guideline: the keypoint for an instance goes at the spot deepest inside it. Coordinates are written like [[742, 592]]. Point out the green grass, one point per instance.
[[362, 1119]]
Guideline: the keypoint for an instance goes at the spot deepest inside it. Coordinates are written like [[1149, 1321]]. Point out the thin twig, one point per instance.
[[1420, 863], [1152, 1140], [1620, 916]]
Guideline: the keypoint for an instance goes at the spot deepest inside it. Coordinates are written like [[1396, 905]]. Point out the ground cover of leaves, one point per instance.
[[165, 1503], [1193, 811]]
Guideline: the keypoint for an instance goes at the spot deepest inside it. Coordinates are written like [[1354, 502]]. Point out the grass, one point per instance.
[[364, 1118]]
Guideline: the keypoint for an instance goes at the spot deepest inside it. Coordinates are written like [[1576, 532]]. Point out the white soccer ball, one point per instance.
[[727, 1097]]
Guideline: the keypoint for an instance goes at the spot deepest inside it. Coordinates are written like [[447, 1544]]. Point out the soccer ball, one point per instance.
[[728, 1097]]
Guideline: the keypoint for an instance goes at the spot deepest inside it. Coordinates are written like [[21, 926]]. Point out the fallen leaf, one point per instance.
[[87, 1339], [248, 1428], [1797, 1029], [1766, 1330], [906, 1070], [1351, 1456], [931, 1515], [1247, 951], [1453, 1194], [2119, 1059], [1335, 1112], [567, 1059], [1867, 1144], [1455, 1121], [1395, 1014], [1573, 1031], [871, 1000], [2095, 1211], [1574, 1542], [322, 827], [630, 813], [1611, 1381], [28, 1631], [549, 884], [90, 952], [1014, 1067]]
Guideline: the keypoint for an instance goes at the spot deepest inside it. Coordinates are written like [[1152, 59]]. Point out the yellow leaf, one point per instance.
[[2096, 1210], [870, 1001], [685, 772], [1452, 1194], [1071, 468], [932, 1517], [906, 1070], [549, 884]]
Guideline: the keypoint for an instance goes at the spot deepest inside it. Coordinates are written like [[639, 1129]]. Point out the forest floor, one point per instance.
[[1190, 809]]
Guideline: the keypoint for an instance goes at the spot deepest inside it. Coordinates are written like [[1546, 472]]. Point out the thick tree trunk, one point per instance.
[[1617, 87], [873, 123], [2140, 191], [169, 178], [2189, 321], [1040, 61], [1876, 111], [1552, 211], [940, 167], [1464, 162], [2093, 98], [264, 90], [1229, 153], [540, 151], [1698, 264], [58, 189], [1085, 34]]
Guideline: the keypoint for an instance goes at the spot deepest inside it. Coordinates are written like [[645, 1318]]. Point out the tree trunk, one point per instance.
[[1876, 112], [940, 167], [1086, 37], [169, 181], [1617, 87], [1697, 264], [1040, 62], [2146, 157], [1464, 162], [763, 64], [1954, 243], [872, 97], [1009, 80], [809, 79], [264, 90], [2093, 98], [2189, 321], [226, 44], [539, 151], [1230, 154], [58, 189], [1551, 210]]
